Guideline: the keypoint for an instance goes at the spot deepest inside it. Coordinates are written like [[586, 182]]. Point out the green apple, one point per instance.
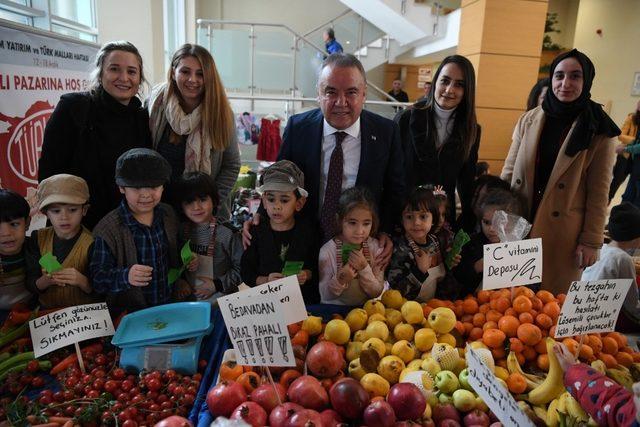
[[445, 398], [481, 405], [447, 381], [464, 400], [463, 376]]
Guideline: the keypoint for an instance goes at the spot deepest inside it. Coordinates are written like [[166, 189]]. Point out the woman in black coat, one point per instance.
[[88, 131], [440, 136]]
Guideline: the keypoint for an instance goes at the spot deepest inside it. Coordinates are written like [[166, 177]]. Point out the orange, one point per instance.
[[470, 306], [457, 309], [572, 345], [460, 327], [523, 290], [293, 328], [525, 318], [560, 298], [498, 353], [301, 338], [636, 357], [609, 360], [543, 362], [586, 353], [509, 325], [552, 331], [515, 345], [493, 338], [490, 325], [594, 342], [479, 319], [516, 383], [541, 347], [468, 326], [537, 303], [545, 296], [435, 303], [493, 315], [620, 339], [609, 345], [484, 296], [426, 310], [529, 334], [475, 334], [500, 304], [522, 304], [529, 353], [520, 358], [624, 359], [467, 318], [544, 321], [484, 308], [510, 312], [551, 309]]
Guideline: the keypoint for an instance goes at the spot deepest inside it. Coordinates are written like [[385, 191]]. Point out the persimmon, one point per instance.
[[435, 303], [493, 316], [529, 334], [498, 353], [541, 347], [544, 321], [293, 328], [620, 339], [467, 318], [609, 346], [460, 327], [516, 383], [509, 325], [478, 320], [301, 338], [476, 334], [520, 357], [523, 290], [468, 326], [230, 370], [249, 381], [470, 306], [500, 304], [586, 353], [484, 308], [483, 296], [551, 309], [609, 360], [493, 338], [525, 318], [489, 325], [457, 309], [552, 331], [624, 359], [426, 310], [288, 376], [529, 353], [542, 361], [537, 303], [545, 296], [516, 345], [510, 312]]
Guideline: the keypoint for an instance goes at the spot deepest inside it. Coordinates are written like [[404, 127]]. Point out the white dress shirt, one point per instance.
[[351, 154]]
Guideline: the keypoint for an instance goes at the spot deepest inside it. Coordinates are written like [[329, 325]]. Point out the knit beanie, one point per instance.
[[624, 222]]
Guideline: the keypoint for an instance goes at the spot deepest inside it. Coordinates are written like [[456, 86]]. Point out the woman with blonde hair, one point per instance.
[[192, 125], [88, 131]]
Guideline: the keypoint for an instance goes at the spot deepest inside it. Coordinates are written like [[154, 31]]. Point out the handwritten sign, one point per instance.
[[257, 329], [494, 394], [287, 291], [511, 264], [68, 326], [592, 307]]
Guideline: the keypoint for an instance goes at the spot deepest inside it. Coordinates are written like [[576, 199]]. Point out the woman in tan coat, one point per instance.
[[560, 162]]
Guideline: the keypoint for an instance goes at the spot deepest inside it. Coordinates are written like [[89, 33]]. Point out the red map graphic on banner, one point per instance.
[[20, 147]]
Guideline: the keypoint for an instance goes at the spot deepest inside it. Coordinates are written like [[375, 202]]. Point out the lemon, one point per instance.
[[403, 331], [392, 298], [425, 338], [390, 368], [442, 320], [412, 312], [378, 329], [377, 344], [356, 319], [337, 331], [404, 350], [375, 385], [374, 306]]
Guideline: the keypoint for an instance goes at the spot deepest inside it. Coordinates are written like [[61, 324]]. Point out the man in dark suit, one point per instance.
[[371, 151]]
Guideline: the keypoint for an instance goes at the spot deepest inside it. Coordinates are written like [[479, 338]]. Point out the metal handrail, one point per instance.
[[297, 37], [345, 13]]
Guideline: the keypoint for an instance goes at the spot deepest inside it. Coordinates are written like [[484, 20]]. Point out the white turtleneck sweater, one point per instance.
[[444, 123]]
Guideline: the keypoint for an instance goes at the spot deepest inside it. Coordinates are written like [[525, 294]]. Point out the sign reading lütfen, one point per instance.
[[592, 307], [68, 326], [511, 264]]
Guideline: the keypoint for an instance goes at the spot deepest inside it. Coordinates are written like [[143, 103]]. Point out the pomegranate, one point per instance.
[[225, 397], [250, 413], [331, 418], [349, 398], [449, 423], [407, 401], [281, 413], [308, 392], [174, 421], [305, 418], [379, 414], [269, 396], [324, 359]]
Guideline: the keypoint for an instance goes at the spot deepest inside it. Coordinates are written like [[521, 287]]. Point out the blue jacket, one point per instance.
[[333, 47]]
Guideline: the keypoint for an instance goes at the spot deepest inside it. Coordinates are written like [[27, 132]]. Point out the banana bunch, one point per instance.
[[553, 385], [564, 411], [513, 366], [622, 377], [599, 366], [635, 371]]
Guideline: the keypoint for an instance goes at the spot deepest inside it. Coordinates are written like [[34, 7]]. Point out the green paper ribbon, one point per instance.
[[186, 255], [347, 248], [461, 239], [292, 268], [50, 263]]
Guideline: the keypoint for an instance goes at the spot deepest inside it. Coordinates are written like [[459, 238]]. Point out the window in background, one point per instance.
[[174, 28]]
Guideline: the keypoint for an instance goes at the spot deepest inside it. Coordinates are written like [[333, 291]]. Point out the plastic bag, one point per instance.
[[510, 227], [224, 422]]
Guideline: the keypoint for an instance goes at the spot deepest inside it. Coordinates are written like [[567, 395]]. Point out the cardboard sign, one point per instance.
[[512, 264], [592, 307], [68, 326], [494, 394], [257, 329], [287, 291]]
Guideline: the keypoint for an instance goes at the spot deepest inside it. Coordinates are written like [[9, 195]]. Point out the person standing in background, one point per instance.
[[624, 161], [330, 42], [397, 92]]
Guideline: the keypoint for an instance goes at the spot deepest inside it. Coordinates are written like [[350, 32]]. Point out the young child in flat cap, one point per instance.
[[616, 261], [14, 222], [284, 238], [137, 243], [63, 199]]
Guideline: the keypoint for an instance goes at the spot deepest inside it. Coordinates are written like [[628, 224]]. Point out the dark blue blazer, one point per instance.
[[381, 167]]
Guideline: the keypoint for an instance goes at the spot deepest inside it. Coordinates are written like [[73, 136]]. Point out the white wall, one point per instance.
[[567, 11], [139, 22], [615, 54]]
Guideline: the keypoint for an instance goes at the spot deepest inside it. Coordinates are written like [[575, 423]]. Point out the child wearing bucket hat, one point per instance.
[[137, 243], [285, 244], [616, 261], [63, 199]]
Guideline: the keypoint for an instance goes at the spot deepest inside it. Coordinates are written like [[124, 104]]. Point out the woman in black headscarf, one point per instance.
[[560, 163]]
